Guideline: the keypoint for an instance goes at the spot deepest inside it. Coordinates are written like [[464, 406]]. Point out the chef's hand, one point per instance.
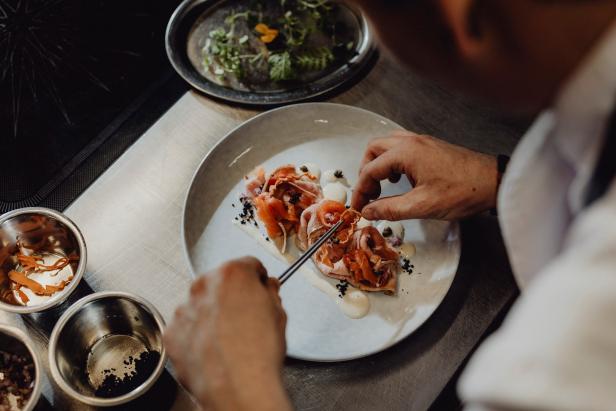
[[450, 182], [227, 343]]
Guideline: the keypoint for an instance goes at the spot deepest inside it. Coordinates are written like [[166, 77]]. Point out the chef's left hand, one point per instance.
[[227, 343]]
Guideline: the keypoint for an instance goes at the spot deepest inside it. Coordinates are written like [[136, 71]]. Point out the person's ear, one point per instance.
[[462, 17]]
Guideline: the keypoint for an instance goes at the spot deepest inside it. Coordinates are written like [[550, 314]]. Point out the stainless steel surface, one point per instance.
[[101, 333], [53, 232], [181, 42], [131, 219], [13, 340], [306, 255]]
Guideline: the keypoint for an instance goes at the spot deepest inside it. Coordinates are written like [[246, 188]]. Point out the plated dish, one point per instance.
[[329, 320], [266, 52], [294, 208]]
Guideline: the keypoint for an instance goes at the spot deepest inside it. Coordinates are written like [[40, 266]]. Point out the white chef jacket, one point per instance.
[[556, 349]]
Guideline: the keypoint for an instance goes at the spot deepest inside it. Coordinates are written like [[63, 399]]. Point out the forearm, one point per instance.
[[487, 179]]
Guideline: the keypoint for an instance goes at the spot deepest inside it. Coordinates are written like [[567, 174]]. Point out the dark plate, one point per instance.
[[180, 37]]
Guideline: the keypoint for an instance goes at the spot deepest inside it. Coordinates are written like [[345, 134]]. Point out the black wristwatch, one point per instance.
[[501, 166]]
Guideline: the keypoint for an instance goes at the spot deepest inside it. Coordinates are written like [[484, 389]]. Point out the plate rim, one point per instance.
[[455, 225], [364, 65]]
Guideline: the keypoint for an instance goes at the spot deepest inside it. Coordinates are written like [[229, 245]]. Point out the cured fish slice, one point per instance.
[[255, 182], [319, 217], [281, 199], [372, 262], [362, 257]]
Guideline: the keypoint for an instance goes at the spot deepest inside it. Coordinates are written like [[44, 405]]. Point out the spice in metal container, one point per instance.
[[17, 376], [115, 385]]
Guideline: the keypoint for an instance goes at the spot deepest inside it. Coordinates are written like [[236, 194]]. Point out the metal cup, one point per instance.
[[14, 341], [51, 230], [97, 335]]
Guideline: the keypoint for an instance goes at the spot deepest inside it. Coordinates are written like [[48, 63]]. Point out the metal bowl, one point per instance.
[[99, 335], [15, 341], [52, 232]]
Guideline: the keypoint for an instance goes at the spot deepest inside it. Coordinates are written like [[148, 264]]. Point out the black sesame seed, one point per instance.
[[387, 232], [295, 197], [303, 169], [338, 174]]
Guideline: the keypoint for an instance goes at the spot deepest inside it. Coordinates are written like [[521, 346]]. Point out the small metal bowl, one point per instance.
[[14, 341], [50, 231], [100, 335]]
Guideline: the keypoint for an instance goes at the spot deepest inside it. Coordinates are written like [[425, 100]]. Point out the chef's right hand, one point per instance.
[[227, 343], [450, 182]]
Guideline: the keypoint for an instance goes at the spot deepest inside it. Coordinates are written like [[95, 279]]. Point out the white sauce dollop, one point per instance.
[[336, 192], [313, 169], [407, 250], [396, 228], [362, 223], [396, 235], [329, 176], [354, 304]]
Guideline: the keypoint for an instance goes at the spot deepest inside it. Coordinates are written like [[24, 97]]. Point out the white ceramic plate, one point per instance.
[[333, 136]]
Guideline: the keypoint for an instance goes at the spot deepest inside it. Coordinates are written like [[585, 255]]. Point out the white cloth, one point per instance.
[[557, 348]]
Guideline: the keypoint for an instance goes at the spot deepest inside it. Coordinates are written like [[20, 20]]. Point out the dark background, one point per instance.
[[72, 74]]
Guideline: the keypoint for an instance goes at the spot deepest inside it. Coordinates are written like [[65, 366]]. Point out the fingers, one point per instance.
[[414, 204], [251, 265], [175, 336], [273, 286], [243, 269], [368, 186], [374, 149], [198, 287], [380, 145]]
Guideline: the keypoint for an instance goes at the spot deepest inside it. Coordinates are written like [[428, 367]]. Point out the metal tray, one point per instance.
[[179, 41]]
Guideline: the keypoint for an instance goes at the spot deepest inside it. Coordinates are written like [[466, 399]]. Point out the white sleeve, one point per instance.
[[557, 348]]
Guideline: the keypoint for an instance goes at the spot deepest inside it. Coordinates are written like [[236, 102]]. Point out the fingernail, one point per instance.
[[367, 213]]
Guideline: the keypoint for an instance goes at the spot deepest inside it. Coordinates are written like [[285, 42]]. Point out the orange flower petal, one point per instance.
[[261, 28]]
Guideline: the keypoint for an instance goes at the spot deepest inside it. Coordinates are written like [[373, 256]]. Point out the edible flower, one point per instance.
[[267, 34]]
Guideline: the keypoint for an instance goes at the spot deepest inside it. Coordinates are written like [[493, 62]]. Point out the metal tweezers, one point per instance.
[[304, 257]]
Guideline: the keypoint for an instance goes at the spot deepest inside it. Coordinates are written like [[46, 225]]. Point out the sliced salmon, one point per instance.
[[280, 200], [361, 256]]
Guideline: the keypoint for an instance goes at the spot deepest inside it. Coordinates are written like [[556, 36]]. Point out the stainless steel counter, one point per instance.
[[131, 218]]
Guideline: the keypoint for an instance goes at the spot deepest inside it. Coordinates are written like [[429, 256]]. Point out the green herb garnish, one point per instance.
[[277, 41]]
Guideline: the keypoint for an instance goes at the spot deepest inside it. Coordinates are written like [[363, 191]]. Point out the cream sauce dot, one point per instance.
[[396, 228], [336, 192], [329, 176]]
